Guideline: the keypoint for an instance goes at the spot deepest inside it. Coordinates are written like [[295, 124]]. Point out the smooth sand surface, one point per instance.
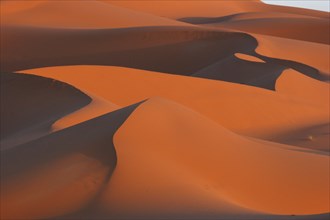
[[296, 85], [59, 173], [293, 28], [317, 56], [305, 88], [180, 9], [164, 110], [77, 14], [161, 142], [247, 110]]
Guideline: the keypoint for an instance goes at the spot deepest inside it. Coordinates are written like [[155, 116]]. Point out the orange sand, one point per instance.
[[104, 137], [243, 109]]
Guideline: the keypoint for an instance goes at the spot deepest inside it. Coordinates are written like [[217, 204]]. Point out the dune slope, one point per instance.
[[307, 29], [23, 118], [181, 163], [77, 14], [297, 86], [179, 9], [247, 110], [62, 172], [167, 109], [317, 56], [175, 50]]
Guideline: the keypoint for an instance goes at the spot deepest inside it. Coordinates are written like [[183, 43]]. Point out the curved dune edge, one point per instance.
[[295, 84], [248, 57], [177, 9], [73, 14], [69, 174], [161, 135], [96, 108], [76, 162], [243, 109], [235, 123], [148, 48], [245, 16], [243, 68], [317, 56], [24, 119], [125, 42], [305, 29]]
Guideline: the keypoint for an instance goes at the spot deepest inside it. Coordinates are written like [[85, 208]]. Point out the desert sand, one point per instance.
[[244, 109], [164, 110]]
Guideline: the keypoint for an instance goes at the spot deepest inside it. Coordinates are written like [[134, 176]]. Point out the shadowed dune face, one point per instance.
[[164, 110], [286, 27], [294, 28], [176, 48], [62, 172], [243, 16], [21, 116], [246, 110], [125, 45], [243, 71], [136, 41], [169, 49], [96, 108], [312, 137], [161, 135], [179, 9]]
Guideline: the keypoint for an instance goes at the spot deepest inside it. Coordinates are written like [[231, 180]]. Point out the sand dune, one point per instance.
[[59, 173], [144, 47], [305, 88], [285, 25], [164, 49], [9, 7], [23, 119], [307, 29], [243, 109], [312, 137], [180, 9], [97, 107], [160, 150], [82, 14], [164, 110], [246, 71], [243, 16], [130, 42], [293, 84], [317, 56]]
